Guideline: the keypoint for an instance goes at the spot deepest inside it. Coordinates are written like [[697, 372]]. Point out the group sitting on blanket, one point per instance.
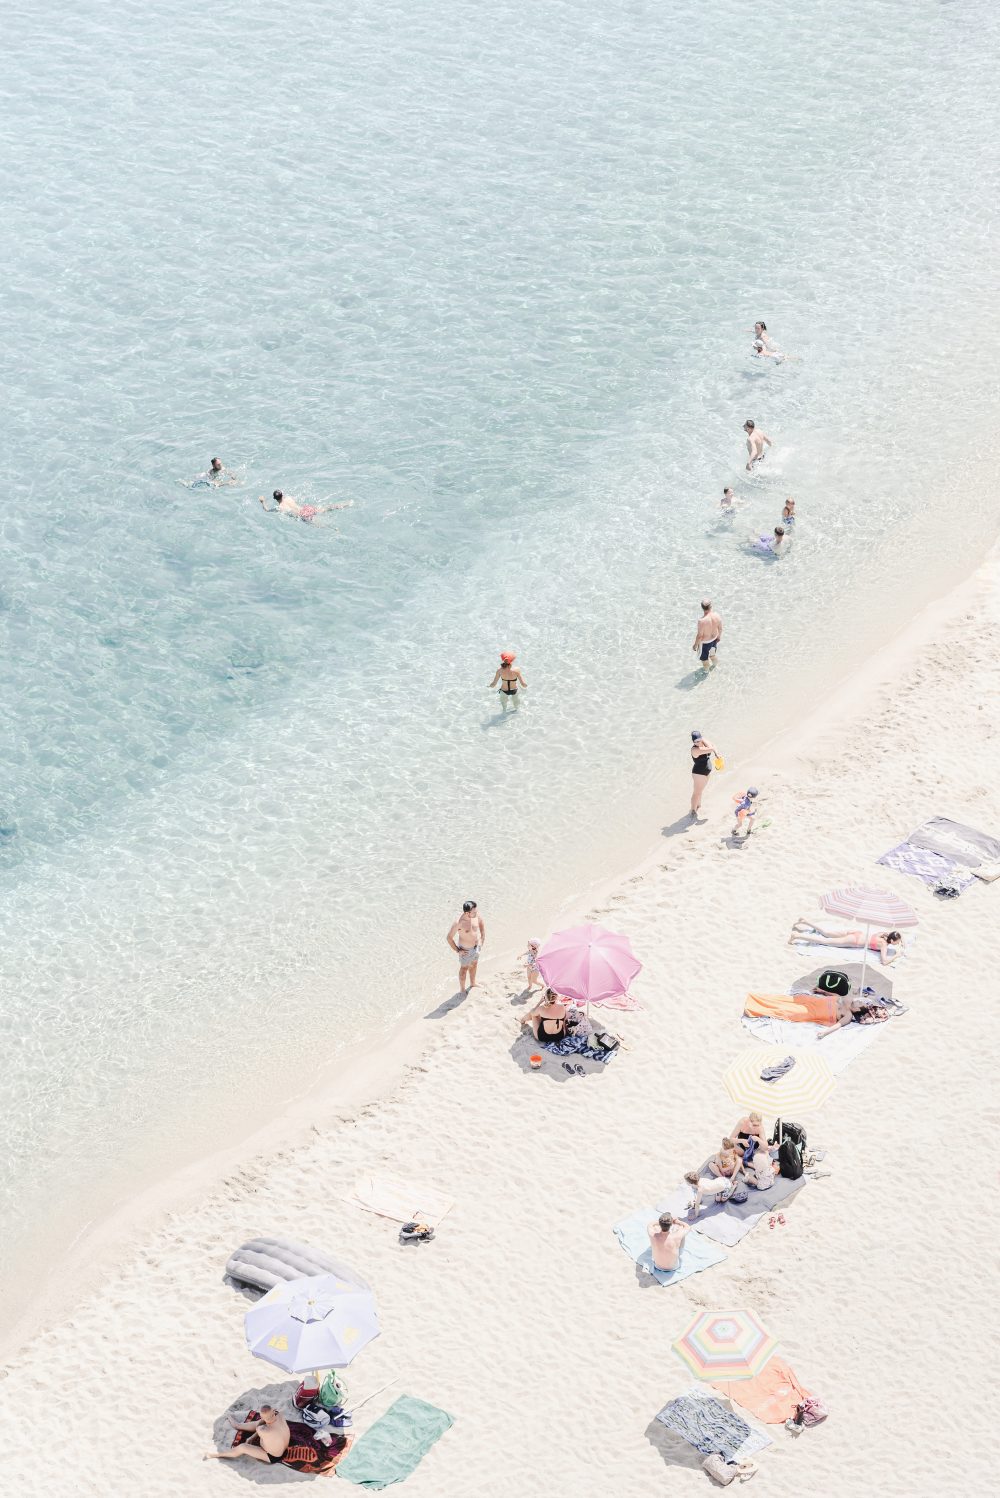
[[744, 1156]]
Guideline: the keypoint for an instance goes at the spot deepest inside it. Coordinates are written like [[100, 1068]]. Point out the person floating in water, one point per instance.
[[509, 677], [214, 477], [778, 545], [756, 442], [284, 504]]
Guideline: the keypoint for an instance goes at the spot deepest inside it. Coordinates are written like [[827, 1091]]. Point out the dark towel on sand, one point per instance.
[[305, 1452]]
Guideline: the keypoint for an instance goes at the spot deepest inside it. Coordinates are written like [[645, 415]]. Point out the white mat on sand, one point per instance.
[[838, 1049], [403, 1201]]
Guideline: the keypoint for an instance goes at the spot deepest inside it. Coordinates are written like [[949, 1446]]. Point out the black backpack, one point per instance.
[[833, 982], [789, 1130], [790, 1159]]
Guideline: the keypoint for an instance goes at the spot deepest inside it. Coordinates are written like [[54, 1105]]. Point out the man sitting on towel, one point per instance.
[[665, 1239], [271, 1431]]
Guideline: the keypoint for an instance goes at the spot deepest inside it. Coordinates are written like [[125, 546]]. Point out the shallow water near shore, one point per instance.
[[491, 276]]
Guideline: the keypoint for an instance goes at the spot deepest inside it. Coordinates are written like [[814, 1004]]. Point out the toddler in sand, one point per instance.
[[530, 960]]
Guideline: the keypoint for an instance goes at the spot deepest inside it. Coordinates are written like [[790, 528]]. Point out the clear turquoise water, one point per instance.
[[487, 271]]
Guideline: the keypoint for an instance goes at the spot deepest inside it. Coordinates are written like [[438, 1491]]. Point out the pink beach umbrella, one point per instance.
[[589, 964], [872, 907]]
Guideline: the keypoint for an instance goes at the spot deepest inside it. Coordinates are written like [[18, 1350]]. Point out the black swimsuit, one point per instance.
[[701, 765]]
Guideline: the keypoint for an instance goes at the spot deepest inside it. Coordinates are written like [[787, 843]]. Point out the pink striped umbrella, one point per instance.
[[589, 964], [873, 907]]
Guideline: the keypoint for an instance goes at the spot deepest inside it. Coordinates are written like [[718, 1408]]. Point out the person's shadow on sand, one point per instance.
[[447, 1005], [683, 824], [281, 1396]]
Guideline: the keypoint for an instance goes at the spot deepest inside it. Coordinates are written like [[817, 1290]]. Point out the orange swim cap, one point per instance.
[[508, 657]]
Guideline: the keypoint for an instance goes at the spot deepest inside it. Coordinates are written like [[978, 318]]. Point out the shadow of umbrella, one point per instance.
[[873, 978]]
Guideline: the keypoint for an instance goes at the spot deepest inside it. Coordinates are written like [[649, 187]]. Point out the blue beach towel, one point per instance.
[[394, 1445], [697, 1253]]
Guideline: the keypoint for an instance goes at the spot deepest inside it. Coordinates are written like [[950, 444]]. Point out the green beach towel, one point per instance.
[[392, 1448]]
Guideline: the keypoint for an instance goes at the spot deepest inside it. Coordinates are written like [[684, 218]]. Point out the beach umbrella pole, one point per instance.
[[864, 958]]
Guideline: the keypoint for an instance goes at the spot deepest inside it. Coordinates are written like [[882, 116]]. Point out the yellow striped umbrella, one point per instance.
[[802, 1089]]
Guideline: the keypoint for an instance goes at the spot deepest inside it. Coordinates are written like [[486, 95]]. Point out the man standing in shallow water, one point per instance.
[[467, 937], [707, 635], [756, 442]]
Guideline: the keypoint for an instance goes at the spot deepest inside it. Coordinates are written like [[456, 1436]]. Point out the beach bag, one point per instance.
[[724, 1472], [332, 1392], [811, 1412], [605, 1041], [738, 1196], [835, 982], [789, 1130], [790, 1159]]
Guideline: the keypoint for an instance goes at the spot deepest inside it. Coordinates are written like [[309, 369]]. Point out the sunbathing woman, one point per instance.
[[547, 1019], [819, 936]]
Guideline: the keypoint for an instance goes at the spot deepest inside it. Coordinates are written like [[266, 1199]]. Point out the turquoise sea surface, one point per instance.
[[489, 272]]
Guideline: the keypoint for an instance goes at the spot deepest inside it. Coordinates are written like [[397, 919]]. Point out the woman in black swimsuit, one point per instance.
[[701, 768], [508, 675], [547, 1019]]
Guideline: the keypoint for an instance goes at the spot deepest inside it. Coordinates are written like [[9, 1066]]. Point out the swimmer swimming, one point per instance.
[[756, 442], [284, 504]]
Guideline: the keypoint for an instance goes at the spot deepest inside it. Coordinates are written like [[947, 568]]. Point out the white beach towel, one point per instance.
[[402, 1201], [831, 955], [839, 1049]]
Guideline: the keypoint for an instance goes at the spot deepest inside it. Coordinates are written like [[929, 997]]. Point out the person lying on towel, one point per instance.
[[855, 1011]]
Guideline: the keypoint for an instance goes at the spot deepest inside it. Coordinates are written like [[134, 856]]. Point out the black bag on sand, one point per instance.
[[789, 1130], [833, 982], [790, 1159]]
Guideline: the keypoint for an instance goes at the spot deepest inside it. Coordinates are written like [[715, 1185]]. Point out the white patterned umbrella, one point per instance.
[[873, 907]]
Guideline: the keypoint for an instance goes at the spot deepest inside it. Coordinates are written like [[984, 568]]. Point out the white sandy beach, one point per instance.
[[524, 1319]]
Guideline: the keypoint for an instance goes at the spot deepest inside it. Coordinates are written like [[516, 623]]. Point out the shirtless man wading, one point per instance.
[[756, 442], [707, 635], [467, 937]]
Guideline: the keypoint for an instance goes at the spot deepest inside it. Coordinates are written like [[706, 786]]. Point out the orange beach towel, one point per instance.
[[815, 1008], [773, 1396]]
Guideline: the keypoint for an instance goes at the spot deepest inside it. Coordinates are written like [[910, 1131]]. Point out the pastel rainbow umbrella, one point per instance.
[[870, 907], [589, 964], [318, 1321], [804, 1088], [725, 1346]]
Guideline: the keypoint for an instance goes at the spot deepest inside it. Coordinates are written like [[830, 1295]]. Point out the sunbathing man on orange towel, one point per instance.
[[810, 1008]]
